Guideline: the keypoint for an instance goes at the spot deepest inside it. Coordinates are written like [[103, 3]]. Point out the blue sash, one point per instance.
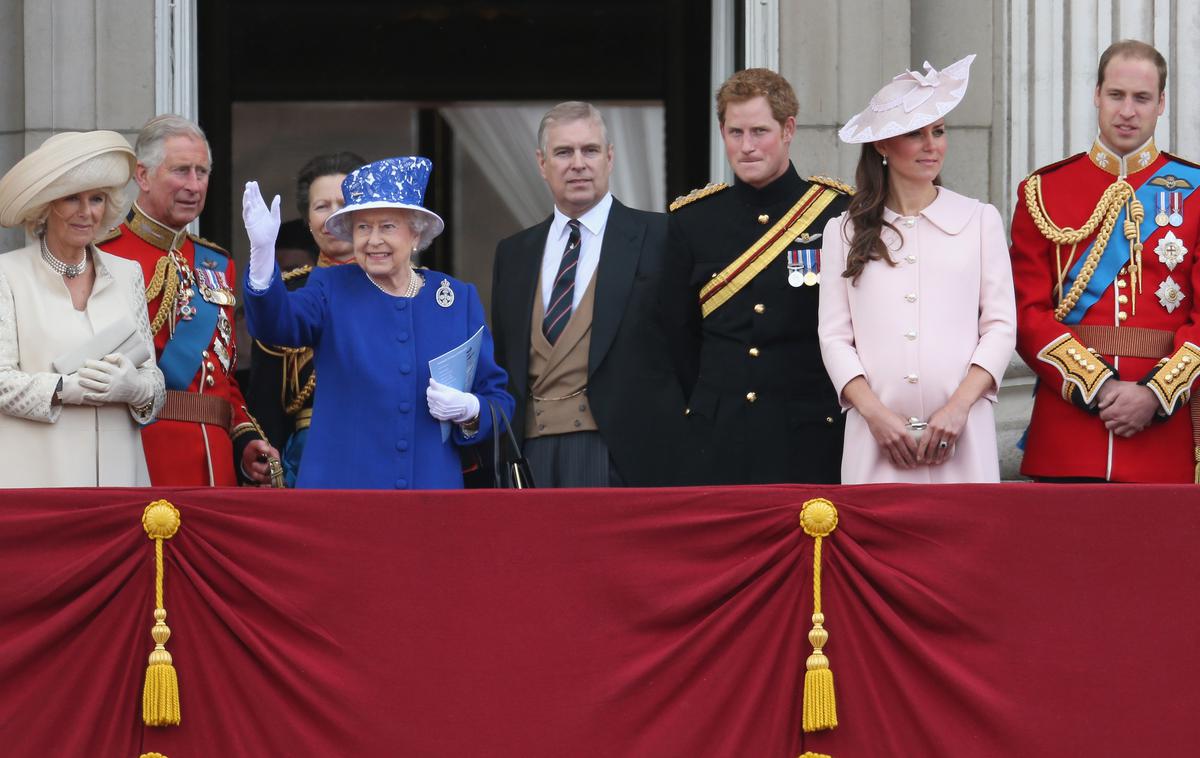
[[1116, 254], [181, 358]]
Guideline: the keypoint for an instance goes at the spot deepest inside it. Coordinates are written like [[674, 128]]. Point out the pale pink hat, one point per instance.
[[908, 102]]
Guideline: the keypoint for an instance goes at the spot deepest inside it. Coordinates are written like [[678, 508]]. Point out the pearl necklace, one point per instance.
[[415, 282], [69, 270]]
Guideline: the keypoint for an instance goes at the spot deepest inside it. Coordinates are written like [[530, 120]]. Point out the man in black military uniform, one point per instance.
[[743, 268]]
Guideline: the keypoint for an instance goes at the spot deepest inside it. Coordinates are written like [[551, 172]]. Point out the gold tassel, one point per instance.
[[1196, 454], [160, 755], [803, 755], [160, 695], [818, 518]]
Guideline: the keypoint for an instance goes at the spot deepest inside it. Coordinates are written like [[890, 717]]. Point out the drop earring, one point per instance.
[[885, 160]]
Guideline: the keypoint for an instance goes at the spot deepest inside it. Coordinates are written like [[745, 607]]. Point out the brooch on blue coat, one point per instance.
[[444, 295]]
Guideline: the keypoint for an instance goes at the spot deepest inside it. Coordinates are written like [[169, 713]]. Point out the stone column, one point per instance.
[[12, 99], [1053, 54], [72, 65], [836, 56]]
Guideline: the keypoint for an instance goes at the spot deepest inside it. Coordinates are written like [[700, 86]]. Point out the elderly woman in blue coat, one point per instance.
[[378, 417]]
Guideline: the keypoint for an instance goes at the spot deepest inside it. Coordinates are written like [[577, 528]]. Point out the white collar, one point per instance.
[[593, 219], [949, 211]]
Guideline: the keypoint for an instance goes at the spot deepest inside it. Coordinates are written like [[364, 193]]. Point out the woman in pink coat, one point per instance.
[[917, 316]]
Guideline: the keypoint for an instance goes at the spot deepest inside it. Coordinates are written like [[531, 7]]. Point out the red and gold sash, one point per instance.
[[731, 279]]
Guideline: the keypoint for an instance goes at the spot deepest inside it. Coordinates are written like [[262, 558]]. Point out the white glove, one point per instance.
[[262, 227], [446, 404], [73, 392], [114, 380]]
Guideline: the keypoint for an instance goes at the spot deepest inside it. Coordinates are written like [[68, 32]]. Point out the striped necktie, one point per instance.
[[562, 296]]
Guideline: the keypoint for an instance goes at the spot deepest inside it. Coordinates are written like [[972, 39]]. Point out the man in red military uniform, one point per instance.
[[1103, 257], [203, 435]]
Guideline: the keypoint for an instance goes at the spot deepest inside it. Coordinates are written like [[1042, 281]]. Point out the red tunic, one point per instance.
[[185, 453], [1065, 440]]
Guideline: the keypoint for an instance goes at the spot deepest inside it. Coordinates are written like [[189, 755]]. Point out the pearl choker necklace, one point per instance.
[[69, 270], [415, 282]]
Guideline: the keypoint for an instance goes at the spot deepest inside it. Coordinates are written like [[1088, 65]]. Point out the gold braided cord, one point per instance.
[[158, 574], [165, 280], [1118, 194], [276, 352], [1110, 204], [817, 575], [155, 285], [303, 396]]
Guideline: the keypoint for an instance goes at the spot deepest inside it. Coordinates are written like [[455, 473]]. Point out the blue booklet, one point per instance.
[[456, 368]]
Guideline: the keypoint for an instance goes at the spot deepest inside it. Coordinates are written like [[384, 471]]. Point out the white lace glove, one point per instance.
[[446, 404], [73, 392], [114, 380], [262, 227]]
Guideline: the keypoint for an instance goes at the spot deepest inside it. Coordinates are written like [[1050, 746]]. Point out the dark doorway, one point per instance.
[[381, 50]]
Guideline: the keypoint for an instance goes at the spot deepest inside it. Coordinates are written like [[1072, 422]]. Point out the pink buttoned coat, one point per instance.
[[913, 330]]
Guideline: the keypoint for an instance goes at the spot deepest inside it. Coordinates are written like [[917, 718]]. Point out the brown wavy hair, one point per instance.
[[754, 82], [865, 214]]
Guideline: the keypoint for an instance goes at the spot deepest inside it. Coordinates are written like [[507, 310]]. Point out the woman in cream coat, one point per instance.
[[61, 296], [917, 316]]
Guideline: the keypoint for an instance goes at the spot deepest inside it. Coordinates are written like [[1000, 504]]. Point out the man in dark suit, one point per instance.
[[576, 323]]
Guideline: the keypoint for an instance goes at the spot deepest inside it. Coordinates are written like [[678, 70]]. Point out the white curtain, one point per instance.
[[502, 139]]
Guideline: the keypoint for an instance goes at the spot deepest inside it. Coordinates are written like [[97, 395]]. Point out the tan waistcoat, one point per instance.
[[558, 373]]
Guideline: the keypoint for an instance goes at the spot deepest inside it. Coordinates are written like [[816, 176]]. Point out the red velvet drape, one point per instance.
[[964, 621]]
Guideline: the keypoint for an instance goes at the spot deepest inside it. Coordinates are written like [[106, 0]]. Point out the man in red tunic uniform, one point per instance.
[[203, 435], [1103, 256]]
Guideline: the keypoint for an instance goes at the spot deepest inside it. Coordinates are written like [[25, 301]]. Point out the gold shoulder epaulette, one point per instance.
[[298, 271], [829, 181], [711, 188], [209, 243], [108, 236]]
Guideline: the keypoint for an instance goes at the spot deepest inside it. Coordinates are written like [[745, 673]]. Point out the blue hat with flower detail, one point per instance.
[[388, 183]]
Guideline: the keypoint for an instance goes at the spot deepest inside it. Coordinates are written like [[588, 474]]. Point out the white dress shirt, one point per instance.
[[591, 237]]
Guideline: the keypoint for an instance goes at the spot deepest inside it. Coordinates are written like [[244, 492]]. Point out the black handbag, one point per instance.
[[509, 468]]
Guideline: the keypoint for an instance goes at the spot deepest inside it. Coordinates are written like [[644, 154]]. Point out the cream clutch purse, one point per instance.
[[121, 336]]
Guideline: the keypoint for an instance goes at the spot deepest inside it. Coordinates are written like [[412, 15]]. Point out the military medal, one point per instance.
[[222, 344], [224, 328], [812, 266], [222, 354], [213, 286], [1176, 218], [1162, 218], [1170, 250], [186, 291], [1169, 294], [444, 295], [795, 269]]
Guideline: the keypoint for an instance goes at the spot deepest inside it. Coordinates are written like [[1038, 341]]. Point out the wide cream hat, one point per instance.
[[65, 164], [909, 102]]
